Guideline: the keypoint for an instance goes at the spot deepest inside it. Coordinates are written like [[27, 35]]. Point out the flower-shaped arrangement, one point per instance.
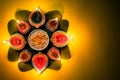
[[38, 40]]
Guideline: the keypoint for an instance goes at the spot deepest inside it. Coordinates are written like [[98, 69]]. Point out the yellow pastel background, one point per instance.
[[91, 29]]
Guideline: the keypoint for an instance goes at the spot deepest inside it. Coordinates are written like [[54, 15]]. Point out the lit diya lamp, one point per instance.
[[23, 27], [59, 38], [38, 39], [17, 41], [37, 18], [40, 61], [52, 24], [54, 54], [25, 56]]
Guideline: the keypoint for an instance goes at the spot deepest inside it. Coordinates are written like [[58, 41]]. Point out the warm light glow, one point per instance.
[[18, 21], [5, 41], [19, 60], [39, 71], [56, 19], [36, 8], [70, 38], [58, 58]]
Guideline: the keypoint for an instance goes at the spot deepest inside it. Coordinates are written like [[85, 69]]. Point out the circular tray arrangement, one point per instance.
[[38, 40]]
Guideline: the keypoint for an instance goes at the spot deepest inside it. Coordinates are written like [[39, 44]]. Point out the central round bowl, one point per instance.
[[38, 39]]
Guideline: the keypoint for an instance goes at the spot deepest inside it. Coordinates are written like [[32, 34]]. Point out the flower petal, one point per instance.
[[64, 24], [13, 55], [25, 66], [65, 52], [53, 14], [12, 26], [55, 65], [22, 15]]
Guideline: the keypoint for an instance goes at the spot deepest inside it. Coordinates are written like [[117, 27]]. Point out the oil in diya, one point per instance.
[[23, 27], [25, 56], [54, 53], [52, 24], [40, 62], [37, 18]]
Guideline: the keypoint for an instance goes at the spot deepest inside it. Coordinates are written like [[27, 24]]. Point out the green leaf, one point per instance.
[[64, 24], [12, 27], [24, 66], [65, 52], [22, 15], [56, 65], [13, 55], [53, 14]]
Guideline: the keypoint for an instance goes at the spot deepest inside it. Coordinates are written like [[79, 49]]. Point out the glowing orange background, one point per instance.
[[91, 29]]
